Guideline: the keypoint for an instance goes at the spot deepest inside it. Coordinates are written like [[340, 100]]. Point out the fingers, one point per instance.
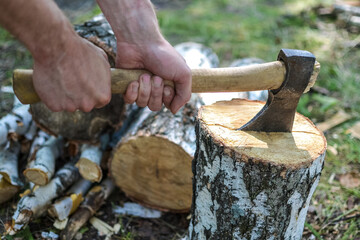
[[183, 91], [149, 91], [156, 98]]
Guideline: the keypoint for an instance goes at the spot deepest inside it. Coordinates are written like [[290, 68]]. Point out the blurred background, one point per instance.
[[236, 29]]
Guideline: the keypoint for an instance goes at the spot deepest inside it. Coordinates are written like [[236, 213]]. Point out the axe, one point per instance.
[[294, 72]]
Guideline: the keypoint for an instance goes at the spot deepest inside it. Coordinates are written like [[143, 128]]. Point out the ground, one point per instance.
[[236, 29]]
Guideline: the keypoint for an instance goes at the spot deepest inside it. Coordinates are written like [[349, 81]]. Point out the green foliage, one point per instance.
[[23, 234]]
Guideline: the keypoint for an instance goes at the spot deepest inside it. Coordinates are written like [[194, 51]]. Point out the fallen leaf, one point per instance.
[[335, 120], [332, 150], [355, 130], [350, 180]]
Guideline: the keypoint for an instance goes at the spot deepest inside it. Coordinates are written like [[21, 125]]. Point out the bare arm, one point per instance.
[[69, 72], [141, 45]]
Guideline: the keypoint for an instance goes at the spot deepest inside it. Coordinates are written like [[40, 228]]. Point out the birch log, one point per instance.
[[252, 185], [152, 162], [10, 183], [36, 203], [18, 121], [42, 168], [93, 201], [89, 162], [65, 206]]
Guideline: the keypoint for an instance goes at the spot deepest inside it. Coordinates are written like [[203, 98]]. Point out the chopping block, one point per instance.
[[257, 165]]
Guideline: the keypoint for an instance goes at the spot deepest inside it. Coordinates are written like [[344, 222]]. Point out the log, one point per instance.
[[42, 168], [10, 183], [152, 162], [33, 205], [89, 162], [65, 206], [79, 126], [93, 201], [252, 185], [18, 121]]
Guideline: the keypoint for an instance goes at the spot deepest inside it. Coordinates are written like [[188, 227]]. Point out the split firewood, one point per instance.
[[18, 121], [93, 201], [42, 168], [33, 205], [89, 162], [65, 206], [10, 183]]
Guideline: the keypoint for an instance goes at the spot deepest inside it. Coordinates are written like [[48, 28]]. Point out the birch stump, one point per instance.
[[152, 162], [252, 185]]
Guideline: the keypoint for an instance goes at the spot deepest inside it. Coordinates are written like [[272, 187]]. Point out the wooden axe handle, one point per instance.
[[238, 79]]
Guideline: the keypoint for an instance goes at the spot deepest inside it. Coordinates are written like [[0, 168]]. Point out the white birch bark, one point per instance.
[[36, 203], [65, 206], [42, 168]]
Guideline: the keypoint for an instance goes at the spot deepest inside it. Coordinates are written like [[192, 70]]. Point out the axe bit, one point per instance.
[[292, 66]]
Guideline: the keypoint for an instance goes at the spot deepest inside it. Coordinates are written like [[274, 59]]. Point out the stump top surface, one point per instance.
[[300, 147]]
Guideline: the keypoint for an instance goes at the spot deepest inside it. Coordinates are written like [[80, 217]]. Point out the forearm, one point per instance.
[[39, 24], [132, 20]]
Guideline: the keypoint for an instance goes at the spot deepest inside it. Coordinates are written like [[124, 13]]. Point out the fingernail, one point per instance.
[[135, 87], [146, 79], [157, 81], [167, 92]]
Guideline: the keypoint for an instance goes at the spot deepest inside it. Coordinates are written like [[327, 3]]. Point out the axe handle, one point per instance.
[[239, 79]]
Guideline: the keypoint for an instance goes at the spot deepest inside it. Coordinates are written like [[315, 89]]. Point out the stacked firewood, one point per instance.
[[68, 155]]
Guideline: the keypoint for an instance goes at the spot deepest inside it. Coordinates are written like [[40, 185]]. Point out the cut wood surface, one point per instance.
[[10, 183], [89, 162], [42, 168], [152, 162], [252, 185]]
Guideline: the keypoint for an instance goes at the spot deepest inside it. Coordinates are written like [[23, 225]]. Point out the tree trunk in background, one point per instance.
[[252, 185]]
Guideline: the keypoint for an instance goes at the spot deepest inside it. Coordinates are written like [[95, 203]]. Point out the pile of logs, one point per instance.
[[148, 154]]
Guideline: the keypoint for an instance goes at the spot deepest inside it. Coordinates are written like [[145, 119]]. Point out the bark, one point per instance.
[[89, 163], [18, 121], [42, 168], [152, 162], [10, 183], [252, 185], [65, 206], [93, 201], [79, 126], [33, 205]]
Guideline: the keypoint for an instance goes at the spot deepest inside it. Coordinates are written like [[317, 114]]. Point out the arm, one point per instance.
[[69, 72], [141, 45]]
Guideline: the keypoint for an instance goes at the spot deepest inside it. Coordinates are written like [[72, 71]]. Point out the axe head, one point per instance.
[[279, 111]]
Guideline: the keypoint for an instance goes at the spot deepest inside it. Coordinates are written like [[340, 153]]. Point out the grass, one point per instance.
[[236, 29]]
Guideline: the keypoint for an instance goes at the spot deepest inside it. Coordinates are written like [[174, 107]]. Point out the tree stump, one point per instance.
[[252, 185], [152, 162]]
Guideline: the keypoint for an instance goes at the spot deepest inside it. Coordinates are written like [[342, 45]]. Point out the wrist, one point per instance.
[[51, 45]]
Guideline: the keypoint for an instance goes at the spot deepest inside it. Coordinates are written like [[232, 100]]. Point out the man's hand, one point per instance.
[[141, 45], [77, 77], [69, 72]]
